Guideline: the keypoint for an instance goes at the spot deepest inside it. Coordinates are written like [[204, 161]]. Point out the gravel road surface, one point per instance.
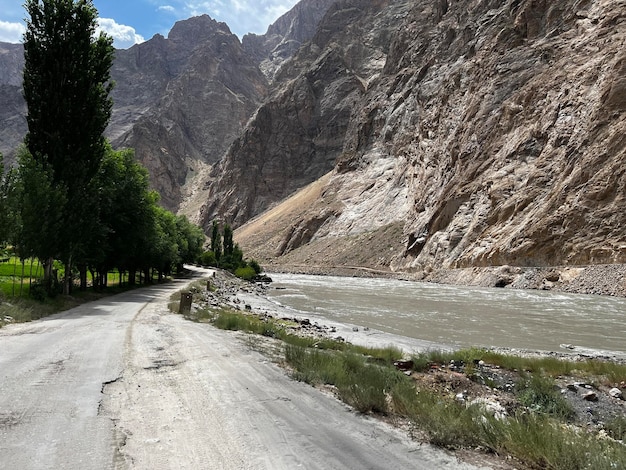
[[122, 383]]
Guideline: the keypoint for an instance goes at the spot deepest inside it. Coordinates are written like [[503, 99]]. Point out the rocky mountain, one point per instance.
[[13, 109], [481, 133], [286, 35], [179, 101], [297, 135], [402, 135]]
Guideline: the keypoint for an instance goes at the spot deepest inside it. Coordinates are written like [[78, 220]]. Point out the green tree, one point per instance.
[[228, 241], [232, 258], [190, 241], [134, 233], [66, 88], [9, 193], [126, 216], [216, 240], [164, 246], [40, 203]]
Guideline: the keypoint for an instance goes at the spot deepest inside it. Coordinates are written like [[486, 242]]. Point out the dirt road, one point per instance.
[[123, 383]]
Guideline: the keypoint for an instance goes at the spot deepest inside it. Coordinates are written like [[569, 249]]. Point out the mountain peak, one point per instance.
[[197, 29]]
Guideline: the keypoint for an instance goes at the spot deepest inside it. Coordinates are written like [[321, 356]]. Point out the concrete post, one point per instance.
[[185, 303]]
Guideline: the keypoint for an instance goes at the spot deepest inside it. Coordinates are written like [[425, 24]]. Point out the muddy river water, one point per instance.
[[461, 316]]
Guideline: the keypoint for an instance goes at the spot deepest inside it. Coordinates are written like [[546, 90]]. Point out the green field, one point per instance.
[[16, 277]]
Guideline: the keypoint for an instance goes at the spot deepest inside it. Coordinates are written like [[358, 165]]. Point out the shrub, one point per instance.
[[540, 394], [616, 428], [256, 266], [38, 291], [208, 258], [246, 273]]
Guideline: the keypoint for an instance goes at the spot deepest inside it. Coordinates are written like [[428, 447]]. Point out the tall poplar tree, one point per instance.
[[66, 87]]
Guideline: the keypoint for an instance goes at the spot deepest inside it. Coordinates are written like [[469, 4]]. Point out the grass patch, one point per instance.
[[542, 395], [361, 384], [537, 434], [616, 428], [605, 372]]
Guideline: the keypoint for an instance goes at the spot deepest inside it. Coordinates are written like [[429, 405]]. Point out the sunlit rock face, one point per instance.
[[511, 116], [492, 132]]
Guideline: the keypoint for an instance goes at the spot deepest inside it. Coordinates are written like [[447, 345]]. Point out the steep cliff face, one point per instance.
[[297, 135], [513, 126], [184, 99], [284, 37], [493, 133], [13, 110]]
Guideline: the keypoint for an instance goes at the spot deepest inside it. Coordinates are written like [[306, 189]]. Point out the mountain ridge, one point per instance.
[[399, 136], [179, 101]]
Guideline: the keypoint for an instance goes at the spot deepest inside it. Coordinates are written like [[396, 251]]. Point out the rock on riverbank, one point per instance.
[[607, 279]]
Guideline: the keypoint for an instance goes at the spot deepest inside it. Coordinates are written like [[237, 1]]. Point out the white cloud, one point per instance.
[[167, 8], [242, 16], [11, 32], [123, 36]]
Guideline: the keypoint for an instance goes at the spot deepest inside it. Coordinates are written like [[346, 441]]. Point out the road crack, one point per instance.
[[110, 408]]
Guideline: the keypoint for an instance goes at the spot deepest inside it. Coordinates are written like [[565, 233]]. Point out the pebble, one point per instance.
[[590, 396]]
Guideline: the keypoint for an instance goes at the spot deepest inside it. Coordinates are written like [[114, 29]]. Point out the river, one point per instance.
[[461, 316]]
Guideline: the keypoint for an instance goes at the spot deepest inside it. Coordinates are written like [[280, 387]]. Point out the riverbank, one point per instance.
[[609, 279], [229, 291], [467, 381]]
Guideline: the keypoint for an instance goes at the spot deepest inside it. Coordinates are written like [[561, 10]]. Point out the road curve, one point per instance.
[[122, 383]]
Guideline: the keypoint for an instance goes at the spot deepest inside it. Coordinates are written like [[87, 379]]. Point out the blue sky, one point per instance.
[[133, 21]]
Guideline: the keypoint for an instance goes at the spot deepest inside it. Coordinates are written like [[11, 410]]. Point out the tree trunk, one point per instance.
[[94, 279], [83, 277], [67, 278], [22, 278], [48, 274]]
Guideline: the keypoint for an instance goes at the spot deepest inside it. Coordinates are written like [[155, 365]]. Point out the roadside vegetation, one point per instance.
[[227, 255], [75, 213], [78, 218], [537, 429]]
